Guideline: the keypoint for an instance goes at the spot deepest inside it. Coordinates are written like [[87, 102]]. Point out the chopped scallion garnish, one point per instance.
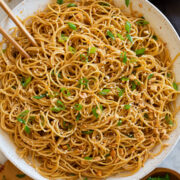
[[92, 50], [104, 4], [68, 146], [83, 57], [88, 158], [119, 123], [78, 107], [72, 26], [60, 1], [110, 34], [40, 96], [146, 115], [25, 82], [127, 106], [84, 82], [55, 109], [87, 132], [140, 51], [94, 112], [71, 5], [78, 116], [125, 79], [175, 86], [63, 38], [120, 92], [155, 37], [150, 76], [128, 26], [129, 38], [104, 92], [127, 2], [124, 58], [73, 50], [60, 105], [27, 129], [142, 22], [120, 36], [65, 91], [133, 85]]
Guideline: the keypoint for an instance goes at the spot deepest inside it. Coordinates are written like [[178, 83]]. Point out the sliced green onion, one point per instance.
[[27, 129], [127, 106], [31, 118], [120, 36], [120, 92], [125, 79], [60, 105], [72, 26], [63, 38], [21, 120], [4, 178], [104, 4], [119, 123], [92, 50], [83, 57], [110, 34], [68, 146], [40, 96], [129, 38], [133, 86], [65, 91], [101, 107], [146, 115], [88, 158], [150, 76], [78, 116], [140, 51], [94, 112], [60, 1], [155, 37], [168, 120], [168, 75], [127, 2], [104, 92], [142, 22], [71, 5], [107, 155], [23, 114], [25, 82], [78, 107], [125, 58], [128, 26], [59, 75], [4, 50], [73, 50], [84, 82], [20, 175], [55, 109], [175, 86], [87, 132]]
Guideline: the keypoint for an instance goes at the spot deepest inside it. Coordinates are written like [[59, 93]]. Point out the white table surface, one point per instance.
[[172, 161]]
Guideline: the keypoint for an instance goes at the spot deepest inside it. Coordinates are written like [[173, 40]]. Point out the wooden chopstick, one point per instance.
[[16, 45], [17, 22]]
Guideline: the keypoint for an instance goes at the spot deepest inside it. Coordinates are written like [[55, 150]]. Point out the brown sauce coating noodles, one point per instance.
[[96, 95]]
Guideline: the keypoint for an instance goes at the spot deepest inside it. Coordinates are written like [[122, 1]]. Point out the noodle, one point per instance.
[[94, 99]]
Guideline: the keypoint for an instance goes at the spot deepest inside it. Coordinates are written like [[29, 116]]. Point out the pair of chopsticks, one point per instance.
[[21, 27]]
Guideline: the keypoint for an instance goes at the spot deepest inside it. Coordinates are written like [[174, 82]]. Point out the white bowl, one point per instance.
[[161, 26]]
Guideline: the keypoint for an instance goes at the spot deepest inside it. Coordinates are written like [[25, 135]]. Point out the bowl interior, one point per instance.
[[161, 26]]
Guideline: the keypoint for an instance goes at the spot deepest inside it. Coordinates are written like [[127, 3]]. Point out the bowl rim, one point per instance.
[[35, 173]]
